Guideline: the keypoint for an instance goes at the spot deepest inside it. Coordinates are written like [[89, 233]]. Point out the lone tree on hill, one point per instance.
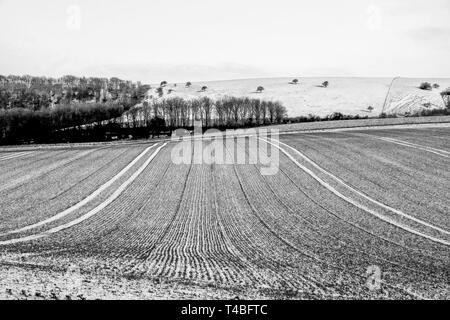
[[163, 83], [260, 89], [425, 86], [204, 88], [325, 84], [295, 81], [188, 84]]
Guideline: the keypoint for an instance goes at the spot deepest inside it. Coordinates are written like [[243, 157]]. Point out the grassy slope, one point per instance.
[[346, 95]]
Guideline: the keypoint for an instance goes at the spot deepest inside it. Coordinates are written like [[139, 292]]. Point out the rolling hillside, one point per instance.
[[346, 95]]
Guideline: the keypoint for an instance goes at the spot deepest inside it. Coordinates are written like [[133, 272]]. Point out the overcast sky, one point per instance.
[[180, 40]]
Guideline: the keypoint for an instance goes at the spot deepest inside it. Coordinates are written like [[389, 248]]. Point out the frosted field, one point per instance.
[[347, 95], [124, 221]]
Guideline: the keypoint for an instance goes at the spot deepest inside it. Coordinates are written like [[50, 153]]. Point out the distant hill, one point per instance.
[[346, 95]]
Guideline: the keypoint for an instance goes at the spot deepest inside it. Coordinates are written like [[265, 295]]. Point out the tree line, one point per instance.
[[82, 122], [72, 122], [222, 113], [37, 93]]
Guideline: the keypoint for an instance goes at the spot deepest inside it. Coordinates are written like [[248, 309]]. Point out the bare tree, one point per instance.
[[256, 108], [280, 112], [206, 106], [264, 111], [271, 109]]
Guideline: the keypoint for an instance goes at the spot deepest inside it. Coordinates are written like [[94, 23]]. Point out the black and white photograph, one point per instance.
[[197, 151]]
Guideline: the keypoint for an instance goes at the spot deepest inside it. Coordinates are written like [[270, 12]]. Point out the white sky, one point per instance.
[[180, 40]]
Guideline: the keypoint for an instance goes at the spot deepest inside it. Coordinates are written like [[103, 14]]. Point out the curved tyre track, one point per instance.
[[363, 207], [92, 212], [14, 156], [439, 152]]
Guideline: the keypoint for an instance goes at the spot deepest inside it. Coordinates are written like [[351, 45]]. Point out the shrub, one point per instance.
[[160, 91], [388, 115], [333, 116], [436, 86], [425, 86], [336, 116], [432, 112], [325, 84]]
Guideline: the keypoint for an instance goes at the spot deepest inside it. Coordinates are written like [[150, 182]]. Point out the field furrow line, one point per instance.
[[86, 200], [409, 166], [14, 156], [440, 152], [9, 170], [357, 245], [322, 234], [354, 260], [163, 233], [321, 267], [228, 244], [277, 236], [261, 268], [355, 264], [139, 240], [177, 210], [41, 172], [91, 175], [399, 187], [389, 208], [428, 137], [355, 226], [94, 211], [363, 207], [39, 194]]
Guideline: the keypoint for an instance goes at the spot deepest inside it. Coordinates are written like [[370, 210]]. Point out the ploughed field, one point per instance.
[[357, 214]]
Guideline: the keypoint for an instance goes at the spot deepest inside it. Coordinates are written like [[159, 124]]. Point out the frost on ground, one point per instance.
[[30, 282], [340, 203]]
